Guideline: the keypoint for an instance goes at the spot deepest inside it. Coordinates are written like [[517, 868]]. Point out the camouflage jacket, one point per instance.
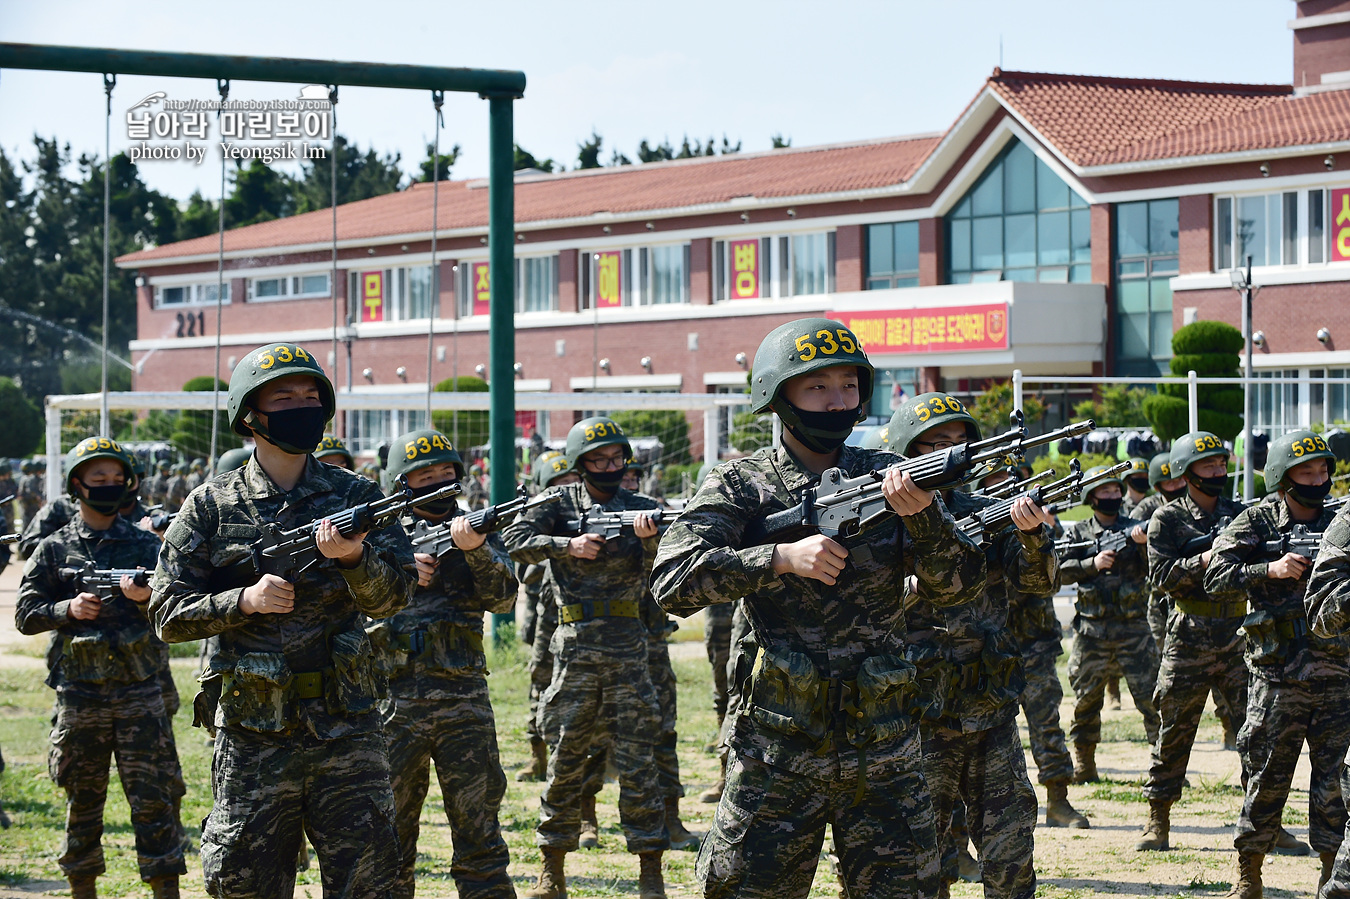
[[1128, 506], [176, 493], [1146, 507], [1034, 624], [977, 648], [831, 634], [1279, 646], [1120, 593], [433, 648], [55, 515], [1182, 577], [155, 487], [1327, 600], [196, 594], [31, 492], [620, 572], [113, 653]]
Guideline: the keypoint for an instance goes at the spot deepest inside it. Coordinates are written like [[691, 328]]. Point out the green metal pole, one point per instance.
[[501, 315]]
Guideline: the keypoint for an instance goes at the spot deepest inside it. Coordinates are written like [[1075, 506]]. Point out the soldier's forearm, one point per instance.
[[181, 617]]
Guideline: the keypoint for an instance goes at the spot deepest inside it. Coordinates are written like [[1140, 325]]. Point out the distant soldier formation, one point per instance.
[[875, 616]]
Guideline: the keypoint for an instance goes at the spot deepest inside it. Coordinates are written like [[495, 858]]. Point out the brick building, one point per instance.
[[1063, 225]]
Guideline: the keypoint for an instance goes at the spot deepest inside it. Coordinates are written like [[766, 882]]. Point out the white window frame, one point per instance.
[[398, 292], [196, 293], [291, 287], [1302, 236]]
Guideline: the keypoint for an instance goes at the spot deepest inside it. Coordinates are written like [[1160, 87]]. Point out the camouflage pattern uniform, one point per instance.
[[826, 732], [1037, 631], [1300, 684], [295, 750], [972, 751], [155, 487], [541, 592], [107, 675], [1158, 604], [32, 494], [438, 709], [1202, 650], [600, 681], [717, 640], [176, 492], [1110, 624]]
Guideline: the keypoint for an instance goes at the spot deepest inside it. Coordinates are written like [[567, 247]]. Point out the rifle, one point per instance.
[[7, 539], [610, 524], [291, 553], [995, 518], [1300, 540], [434, 539], [843, 506], [161, 520], [1010, 487], [1202, 542], [105, 583]]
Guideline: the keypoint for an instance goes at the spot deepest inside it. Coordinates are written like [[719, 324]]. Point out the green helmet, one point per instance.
[[803, 346], [1087, 489], [181, 468], [1159, 469], [421, 449], [26, 467], [333, 446], [1191, 448], [165, 466], [632, 464], [266, 364], [1138, 466], [592, 434], [232, 459], [875, 438], [1292, 449], [96, 448], [199, 462], [927, 410], [548, 467]]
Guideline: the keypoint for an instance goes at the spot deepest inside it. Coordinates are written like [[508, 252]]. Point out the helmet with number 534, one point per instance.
[[269, 363]]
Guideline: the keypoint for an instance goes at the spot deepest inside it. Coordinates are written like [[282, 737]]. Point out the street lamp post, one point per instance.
[[1242, 282]]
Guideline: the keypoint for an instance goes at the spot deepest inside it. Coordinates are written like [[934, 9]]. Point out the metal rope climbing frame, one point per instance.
[[500, 87]]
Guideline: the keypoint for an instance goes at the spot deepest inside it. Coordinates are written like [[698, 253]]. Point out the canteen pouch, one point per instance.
[[453, 647], [884, 695], [786, 695], [1264, 646], [97, 658], [256, 694], [390, 657], [354, 686]]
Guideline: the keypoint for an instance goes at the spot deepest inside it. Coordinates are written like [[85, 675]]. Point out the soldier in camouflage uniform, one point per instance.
[[31, 492], [8, 488], [177, 489], [106, 670], [438, 707], [158, 484], [196, 474], [1110, 623], [1203, 648], [333, 451], [298, 733], [600, 684], [1300, 683], [827, 729], [1166, 488], [1135, 483]]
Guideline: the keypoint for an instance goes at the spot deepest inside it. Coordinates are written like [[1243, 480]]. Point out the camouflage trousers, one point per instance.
[[987, 770], [132, 729], [740, 656], [600, 698], [717, 640], [1040, 703], [770, 826], [1280, 717], [1098, 645], [267, 788], [1338, 887], [1200, 654], [541, 662], [664, 754], [460, 736]]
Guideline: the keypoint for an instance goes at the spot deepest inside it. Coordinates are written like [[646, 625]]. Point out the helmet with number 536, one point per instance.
[[269, 363], [927, 410]]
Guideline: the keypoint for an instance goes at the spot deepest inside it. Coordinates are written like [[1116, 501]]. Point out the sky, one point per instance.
[[815, 72]]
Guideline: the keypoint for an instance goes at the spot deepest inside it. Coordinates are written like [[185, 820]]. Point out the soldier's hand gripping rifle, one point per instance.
[[289, 554], [435, 540], [994, 518], [1299, 540], [1011, 487], [105, 583], [842, 506], [611, 524]]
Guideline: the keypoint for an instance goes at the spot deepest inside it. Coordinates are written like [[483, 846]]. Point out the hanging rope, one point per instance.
[[437, 100], [341, 426], [223, 86], [109, 82]]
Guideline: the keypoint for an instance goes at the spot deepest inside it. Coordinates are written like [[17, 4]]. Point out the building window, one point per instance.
[[1146, 258], [368, 428], [668, 281], [806, 264], [645, 276], [391, 294], [1275, 407], [1020, 222], [289, 288], [893, 387], [1287, 228], [741, 269], [189, 295], [893, 255], [537, 284]]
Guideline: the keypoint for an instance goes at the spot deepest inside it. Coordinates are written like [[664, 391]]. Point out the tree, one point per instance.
[[23, 422], [659, 153], [588, 151], [780, 142], [617, 158], [670, 426], [198, 218], [260, 194], [993, 407], [1210, 349], [448, 161], [192, 431], [526, 160], [1118, 406], [466, 428], [360, 176], [751, 431]]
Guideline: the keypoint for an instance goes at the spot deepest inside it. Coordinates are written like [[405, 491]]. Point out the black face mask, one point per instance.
[[107, 499], [1309, 496], [1172, 494], [295, 431], [606, 482], [1138, 485], [1214, 486], [437, 508], [1108, 506], [820, 432]]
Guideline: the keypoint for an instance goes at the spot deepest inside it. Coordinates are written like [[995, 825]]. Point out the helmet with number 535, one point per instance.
[[269, 363], [799, 348], [1292, 449]]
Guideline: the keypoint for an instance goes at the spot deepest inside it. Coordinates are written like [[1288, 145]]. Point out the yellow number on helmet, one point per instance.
[[301, 354], [955, 405], [423, 445], [410, 450], [846, 340], [830, 347], [265, 361], [806, 348], [922, 412], [284, 354]]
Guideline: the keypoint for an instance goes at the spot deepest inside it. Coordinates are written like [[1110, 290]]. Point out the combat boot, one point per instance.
[[552, 882], [1159, 827], [165, 887], [590, 826], [714, 794], [1288, 844], [967, 868], [651, 885], [83, 888], [1248, 884], [680, 838], [1085, 763], [1058, 811], [537, 769], [1328, 863]]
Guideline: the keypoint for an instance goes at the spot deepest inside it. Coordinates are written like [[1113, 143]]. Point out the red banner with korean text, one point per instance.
[[480, 288], [943, 329], [744, 265], [608, 278], [372, 296], [1340, 224]]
